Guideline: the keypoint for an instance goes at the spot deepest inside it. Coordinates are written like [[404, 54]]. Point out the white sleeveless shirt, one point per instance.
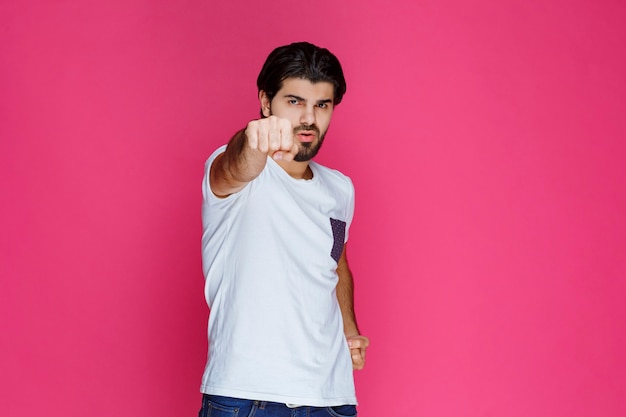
[[269, 257]]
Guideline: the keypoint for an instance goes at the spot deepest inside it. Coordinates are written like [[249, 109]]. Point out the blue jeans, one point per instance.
[[217, 406]]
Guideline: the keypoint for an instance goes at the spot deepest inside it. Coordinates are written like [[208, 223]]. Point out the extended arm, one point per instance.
[[247, 151], [345, 295]]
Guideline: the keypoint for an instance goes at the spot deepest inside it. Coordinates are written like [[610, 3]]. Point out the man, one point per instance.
[[283, 338]]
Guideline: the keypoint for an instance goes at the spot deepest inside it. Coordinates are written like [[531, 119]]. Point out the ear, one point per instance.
[[265, 104]]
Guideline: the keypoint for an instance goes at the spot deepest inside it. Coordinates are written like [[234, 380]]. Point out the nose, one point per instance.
[[308, 115]]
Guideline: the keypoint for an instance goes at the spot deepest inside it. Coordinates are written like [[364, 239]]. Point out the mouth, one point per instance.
[[306, 136]]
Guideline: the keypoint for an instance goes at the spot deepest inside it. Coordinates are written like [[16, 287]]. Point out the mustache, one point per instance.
[[304, 127]]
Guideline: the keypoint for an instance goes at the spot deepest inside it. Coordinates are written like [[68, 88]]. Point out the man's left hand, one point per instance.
[[358, 344]]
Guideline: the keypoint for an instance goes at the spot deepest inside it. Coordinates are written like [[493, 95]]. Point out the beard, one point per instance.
[[308, 150]]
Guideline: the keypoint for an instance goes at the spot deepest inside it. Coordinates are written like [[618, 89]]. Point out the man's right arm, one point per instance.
[[246, 154]]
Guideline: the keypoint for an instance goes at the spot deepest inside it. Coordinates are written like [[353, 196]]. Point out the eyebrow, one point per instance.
[[303, 99]]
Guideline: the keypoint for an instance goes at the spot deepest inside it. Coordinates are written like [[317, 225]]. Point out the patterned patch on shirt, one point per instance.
[[339, 235]]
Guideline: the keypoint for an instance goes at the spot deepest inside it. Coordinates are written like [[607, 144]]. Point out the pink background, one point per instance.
[[486, 140]]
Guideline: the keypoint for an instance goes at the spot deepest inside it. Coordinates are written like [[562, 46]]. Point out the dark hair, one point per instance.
[[301, 60]]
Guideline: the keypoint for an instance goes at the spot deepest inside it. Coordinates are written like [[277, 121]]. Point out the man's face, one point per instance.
[[309, 108]]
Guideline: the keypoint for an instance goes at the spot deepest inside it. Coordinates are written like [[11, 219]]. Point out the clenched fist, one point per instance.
[[358, 345], [272, 136]]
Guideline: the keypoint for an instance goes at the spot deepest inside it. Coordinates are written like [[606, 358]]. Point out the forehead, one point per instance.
[[322, 90]]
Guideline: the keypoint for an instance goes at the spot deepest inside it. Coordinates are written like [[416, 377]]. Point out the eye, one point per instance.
[[293, 101], [322, 105]]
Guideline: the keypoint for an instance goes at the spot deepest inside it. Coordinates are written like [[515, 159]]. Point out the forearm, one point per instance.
[[345, 297], [346, 304], [236, 167]]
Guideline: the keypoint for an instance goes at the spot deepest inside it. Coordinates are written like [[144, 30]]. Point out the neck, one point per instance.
[[297, 170]]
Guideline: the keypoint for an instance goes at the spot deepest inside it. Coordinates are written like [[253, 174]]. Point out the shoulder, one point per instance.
[[331, 175], [210, 160], [214, 155]]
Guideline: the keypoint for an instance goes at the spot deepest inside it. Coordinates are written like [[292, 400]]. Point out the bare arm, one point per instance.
[[345, 295], [237, 166], [247, 151]]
